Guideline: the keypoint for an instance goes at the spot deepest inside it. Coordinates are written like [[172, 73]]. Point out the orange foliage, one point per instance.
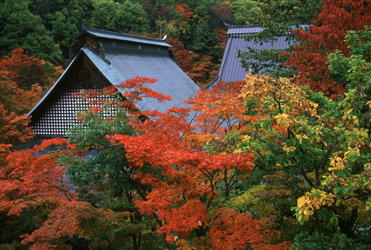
[[232, 230], [20, 77], [67, 221], [181, 201], [220, 109], [28, 70], [29, 179], [185, 11], [180, 194], [182, 55], [337, 17], [222, 35], [13, 130], [198, 67], [15, 99], [135, 90], [22, 68], [201, 66], [203, 70]]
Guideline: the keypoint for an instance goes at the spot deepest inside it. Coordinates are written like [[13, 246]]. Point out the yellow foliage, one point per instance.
[[289, 149], [311, 201], [283, 120]]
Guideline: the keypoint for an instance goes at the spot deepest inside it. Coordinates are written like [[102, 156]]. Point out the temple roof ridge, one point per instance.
[[119, 36]]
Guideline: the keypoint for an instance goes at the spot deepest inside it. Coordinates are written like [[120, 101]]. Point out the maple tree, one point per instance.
[[13, 130], [184, 10], [19, 92], [24, 80], [15, 99], [181, 196], [220, 110], [32, 185], [324, 37], [181, 55], [150, 183]]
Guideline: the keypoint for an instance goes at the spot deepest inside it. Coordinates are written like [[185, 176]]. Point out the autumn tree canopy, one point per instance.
[[23, 80], [326, 36], [263, 163], [152, 175]]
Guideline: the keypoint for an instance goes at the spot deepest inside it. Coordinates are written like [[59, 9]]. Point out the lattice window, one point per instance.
[[61, 115]]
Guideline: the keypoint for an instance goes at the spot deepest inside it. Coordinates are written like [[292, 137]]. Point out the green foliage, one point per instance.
[[245, 11], [288, 12], [62, 26], [119, 17], [323, 142], [107, 159], [45, 28], [336, 241], [90, 135], [21, 28], [355, 68]]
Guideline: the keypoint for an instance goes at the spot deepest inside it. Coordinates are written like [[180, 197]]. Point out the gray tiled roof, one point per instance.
[[127, 59], [231, 68], [171, 79]]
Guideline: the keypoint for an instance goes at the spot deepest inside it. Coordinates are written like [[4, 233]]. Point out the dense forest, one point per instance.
[[44, 28], [278, 161]]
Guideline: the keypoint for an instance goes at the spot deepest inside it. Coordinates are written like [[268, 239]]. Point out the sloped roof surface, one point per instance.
[[171, 79], [231, 68]]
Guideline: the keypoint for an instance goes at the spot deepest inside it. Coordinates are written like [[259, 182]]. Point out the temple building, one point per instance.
[[231, 67], [100, 58]]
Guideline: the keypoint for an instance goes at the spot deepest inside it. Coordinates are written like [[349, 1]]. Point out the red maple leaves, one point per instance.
[[23, 79], [184, 181], [28, 179], [337, 17]]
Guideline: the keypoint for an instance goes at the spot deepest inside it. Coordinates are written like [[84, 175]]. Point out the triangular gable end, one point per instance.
[[55, 114]]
